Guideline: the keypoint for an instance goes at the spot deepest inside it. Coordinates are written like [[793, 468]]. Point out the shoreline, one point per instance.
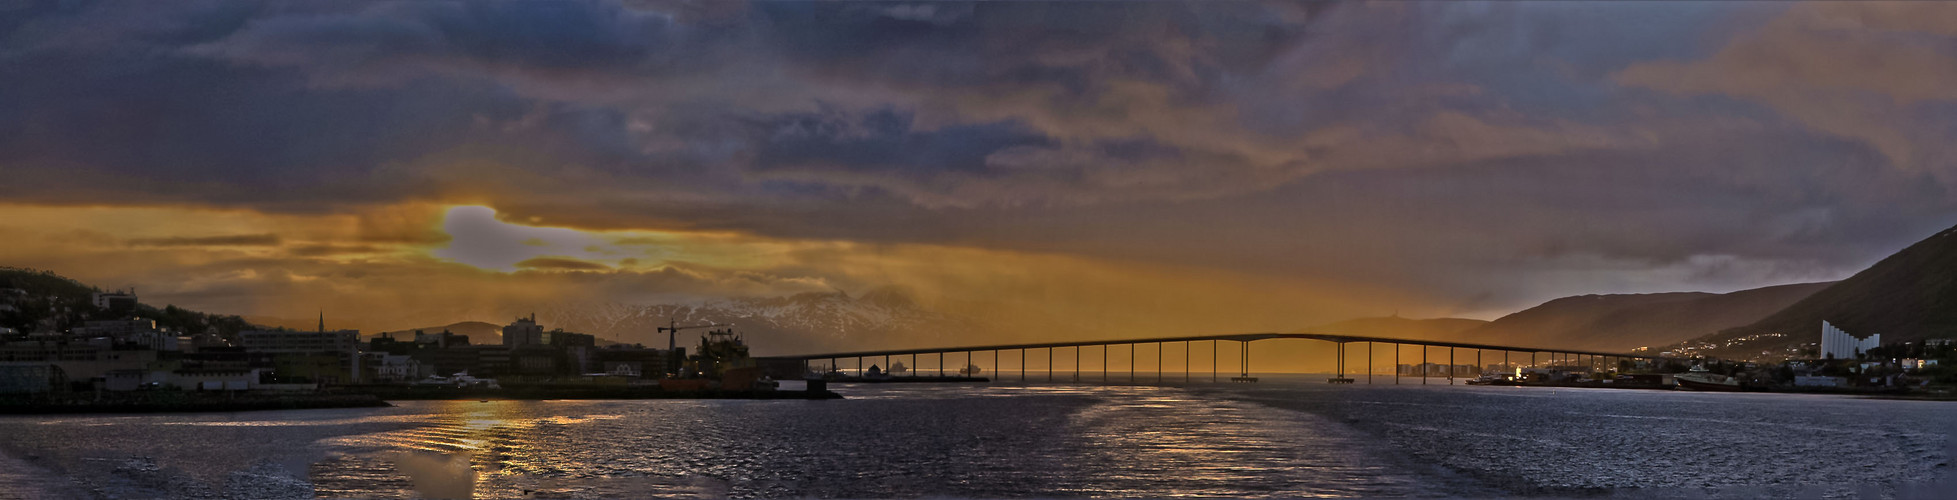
[[183, 402], [539, 393], [191, 402]]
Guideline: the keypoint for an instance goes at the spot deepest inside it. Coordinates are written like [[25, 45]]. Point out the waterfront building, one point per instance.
[[215, 380], [78, 362], [535, 360], [1819, 381], [633, 362], [114, 301], [305, 354], [114, 328], [1837, 344], [395, 367], [128, 332], [31, 378], [523, 331], [561, 338], [296, 342]]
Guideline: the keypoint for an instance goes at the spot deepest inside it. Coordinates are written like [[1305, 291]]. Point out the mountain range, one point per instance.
[[1908, 296], [1398, 327], [1622, 322], [1614, 322]]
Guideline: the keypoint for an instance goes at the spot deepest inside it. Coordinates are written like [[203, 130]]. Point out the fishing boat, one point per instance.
[[1698, 379]]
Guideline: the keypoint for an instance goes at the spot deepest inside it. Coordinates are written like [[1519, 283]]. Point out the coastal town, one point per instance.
[[111, 346]]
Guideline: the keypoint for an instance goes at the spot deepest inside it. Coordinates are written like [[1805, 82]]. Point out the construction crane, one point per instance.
[[672, 330]]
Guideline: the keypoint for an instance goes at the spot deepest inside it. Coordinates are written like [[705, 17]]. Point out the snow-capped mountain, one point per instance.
[[804, 322]]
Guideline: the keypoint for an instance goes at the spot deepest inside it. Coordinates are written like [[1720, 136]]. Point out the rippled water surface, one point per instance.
[[1274, 440]]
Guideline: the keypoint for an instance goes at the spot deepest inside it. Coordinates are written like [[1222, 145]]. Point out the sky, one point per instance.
[[1110, 168]]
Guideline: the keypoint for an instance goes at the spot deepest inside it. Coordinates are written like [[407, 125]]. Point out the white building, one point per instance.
[[395, 367], [1837, 344]]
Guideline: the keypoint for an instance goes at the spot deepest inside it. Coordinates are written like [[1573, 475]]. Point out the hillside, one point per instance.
[[45, 301], [1622, 322], [1911, 295], [1398, 327]]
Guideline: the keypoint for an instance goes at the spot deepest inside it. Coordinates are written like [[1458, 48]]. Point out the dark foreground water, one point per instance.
[[1278, 439]]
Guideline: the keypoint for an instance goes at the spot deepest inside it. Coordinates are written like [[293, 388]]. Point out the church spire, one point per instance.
[[322, 321]]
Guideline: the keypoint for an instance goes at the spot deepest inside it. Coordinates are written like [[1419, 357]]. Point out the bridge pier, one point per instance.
[[1245, 364], [1396, 364]]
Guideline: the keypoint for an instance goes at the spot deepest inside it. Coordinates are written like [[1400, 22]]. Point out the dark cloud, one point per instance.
[[1397, 143], [560, 264], [240, 240], [333, 250]]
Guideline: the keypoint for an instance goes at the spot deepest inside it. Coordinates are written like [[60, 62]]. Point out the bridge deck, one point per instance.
[[1234, 337]]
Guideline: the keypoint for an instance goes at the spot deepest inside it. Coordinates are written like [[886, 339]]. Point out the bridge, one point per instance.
[[1556, 357]]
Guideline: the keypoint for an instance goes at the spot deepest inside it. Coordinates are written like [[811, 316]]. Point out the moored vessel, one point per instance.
[[1698, 379]]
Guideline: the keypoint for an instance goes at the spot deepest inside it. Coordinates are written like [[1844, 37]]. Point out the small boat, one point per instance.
[[1698, 379], [969, 370]]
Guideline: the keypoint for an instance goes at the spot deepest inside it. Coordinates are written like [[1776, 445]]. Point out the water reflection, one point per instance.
[[973, 441]]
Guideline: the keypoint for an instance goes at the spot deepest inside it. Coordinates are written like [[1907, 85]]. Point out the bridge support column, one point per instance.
[[1213, 361], [1369, 363], [1338, 359], [1396, 364], [1423, 365], [1131, 363], [1077, 363], [1158, 363], [1049, 364], [1450, 366], [1022, 365]]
